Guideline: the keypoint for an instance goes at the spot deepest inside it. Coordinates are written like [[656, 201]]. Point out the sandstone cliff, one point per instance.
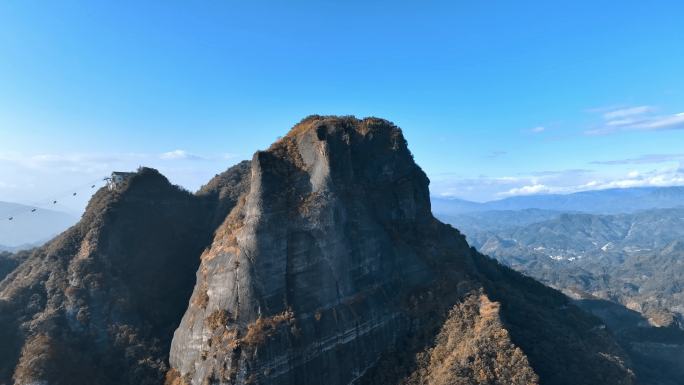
[[331, 269]]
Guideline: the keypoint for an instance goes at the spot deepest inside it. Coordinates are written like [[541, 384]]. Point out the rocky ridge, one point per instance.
[[99, 303], [319, 261], [332, 269]]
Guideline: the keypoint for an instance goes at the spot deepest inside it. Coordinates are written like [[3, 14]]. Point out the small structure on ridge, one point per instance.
[[117, 178]]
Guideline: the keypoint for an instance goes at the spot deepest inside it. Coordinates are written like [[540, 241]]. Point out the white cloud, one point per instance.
[[662, 122], [179, 155], [528, 190], [34, 178], [538, 129], [625, 112], [634, 178], [4, 185], [488, 188], [640, 118], [654, 180], [644, 159], [496, 154], [552, 182], [185, 155], [66, 162]]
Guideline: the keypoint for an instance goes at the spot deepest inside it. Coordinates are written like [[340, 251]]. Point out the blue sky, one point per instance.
[[496, 98]]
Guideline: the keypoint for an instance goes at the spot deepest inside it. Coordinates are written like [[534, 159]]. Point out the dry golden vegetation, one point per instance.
[[218, 318], [263, 328], [473, 347]]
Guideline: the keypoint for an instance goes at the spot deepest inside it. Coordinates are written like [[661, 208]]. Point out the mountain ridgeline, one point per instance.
[[634, 259], [628, 269], [30, 226], [318, 261], [607, 201]]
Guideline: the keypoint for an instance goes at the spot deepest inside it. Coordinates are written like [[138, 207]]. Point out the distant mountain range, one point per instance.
[[628, 269], [636, 259], [28, 229], [607, 201]]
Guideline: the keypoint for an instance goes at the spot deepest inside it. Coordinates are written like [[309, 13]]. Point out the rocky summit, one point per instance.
[[317, 262]]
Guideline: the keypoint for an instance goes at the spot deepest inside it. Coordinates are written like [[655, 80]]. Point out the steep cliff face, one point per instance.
[[300, 280], [331, 269]]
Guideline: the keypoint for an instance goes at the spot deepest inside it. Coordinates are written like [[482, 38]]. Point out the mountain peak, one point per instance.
[[318, 261], [332, 255], [321, 124]]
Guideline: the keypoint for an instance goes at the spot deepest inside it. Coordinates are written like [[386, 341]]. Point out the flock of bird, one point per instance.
[[54, 200]]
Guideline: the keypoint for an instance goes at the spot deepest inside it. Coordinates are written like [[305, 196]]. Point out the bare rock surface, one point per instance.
[[331, 269]]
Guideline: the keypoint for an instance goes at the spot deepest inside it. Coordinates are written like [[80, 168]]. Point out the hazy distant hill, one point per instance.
[[598, 201], [497, 219], [24, 246], [636, 259], [9, 261], [454, 206], [28, 229], [657, 352], [627, 269]]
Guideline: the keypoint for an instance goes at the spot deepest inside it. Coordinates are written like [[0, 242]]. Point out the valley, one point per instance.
[[625, 268]]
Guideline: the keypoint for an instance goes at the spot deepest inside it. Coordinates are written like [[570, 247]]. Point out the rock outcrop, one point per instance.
[[473, 347], [98, 304], [331, 269], [318, 261]]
